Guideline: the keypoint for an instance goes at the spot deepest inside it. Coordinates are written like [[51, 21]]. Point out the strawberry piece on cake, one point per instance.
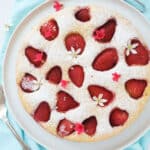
[[42, 112], [135, 87], [76, 74], [118, 117], [65, 102], [65, 128], [106, 60], [54, 75], [35, 56]]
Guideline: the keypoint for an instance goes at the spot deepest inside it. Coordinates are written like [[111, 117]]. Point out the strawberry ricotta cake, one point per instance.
[[83, 73]]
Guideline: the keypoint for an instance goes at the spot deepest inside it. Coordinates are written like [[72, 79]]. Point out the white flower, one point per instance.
[[74, 53], [100, 100], [131, 48], [7, 26]]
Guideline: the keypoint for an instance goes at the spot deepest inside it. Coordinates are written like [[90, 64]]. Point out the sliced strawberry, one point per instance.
[[65, 128], [50, 30], [35, 56], [90, 125], [109, 29], [76, 74], [106, 60], [54, 75], [29, 83], [142, 56], [42, 112], [96, 90], [135, 87], [118, 117], [83, 15], [65, 102], [75, 41]]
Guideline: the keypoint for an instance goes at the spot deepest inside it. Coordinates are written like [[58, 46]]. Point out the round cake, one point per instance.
[[83, 73]]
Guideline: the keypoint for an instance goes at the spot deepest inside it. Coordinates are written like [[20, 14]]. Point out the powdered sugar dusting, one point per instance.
[[57, 54], [27, 83]]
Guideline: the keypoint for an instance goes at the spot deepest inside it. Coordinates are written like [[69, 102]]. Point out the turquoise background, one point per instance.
[[7, 141]]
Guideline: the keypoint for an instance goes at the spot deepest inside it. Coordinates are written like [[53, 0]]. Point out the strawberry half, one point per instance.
[[90, 125], [109, 29], [141, 57], [118, 117], [42, 112], [76, 74], [35, 56], [29, 83], [65, 128], [49, 30], [54, 75], [83, 15], [106, 60], [65, 102], [96, 90], [75, 41], [135, 87]]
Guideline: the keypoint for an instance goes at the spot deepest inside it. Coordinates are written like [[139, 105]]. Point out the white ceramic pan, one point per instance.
[[28, 124]]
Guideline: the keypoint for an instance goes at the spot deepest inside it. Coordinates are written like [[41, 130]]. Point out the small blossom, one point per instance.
[[116, 76], [131, 48], [57, 5], [74, 53], [79, 128], [100, 100], [64, 83], [100, 34]]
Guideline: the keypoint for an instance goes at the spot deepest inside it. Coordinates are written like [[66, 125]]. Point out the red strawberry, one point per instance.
[[76, 74], [50, 30], [142, 56], [42, 112], [83, 14], [96, 90], [54, 75], [35, 56], [106, 60], [118, 117], [28, 83], [75, 41], [109, 29], [135, 87], [65, 128], [90, 125], [65, 102]]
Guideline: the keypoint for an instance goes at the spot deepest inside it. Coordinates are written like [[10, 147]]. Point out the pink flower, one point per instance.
[[116, 77], [79, 128], [100, 34], [57, 5], [64, 83]]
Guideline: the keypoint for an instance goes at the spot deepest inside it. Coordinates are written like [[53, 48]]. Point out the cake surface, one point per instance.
[[83, 73]]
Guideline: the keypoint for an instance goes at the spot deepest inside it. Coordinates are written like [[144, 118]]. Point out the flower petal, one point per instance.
[[103, 100], [135, 45], [101, 104], [95, 98], [78, 51], [100, 96], [128, 52], [133, 51]]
